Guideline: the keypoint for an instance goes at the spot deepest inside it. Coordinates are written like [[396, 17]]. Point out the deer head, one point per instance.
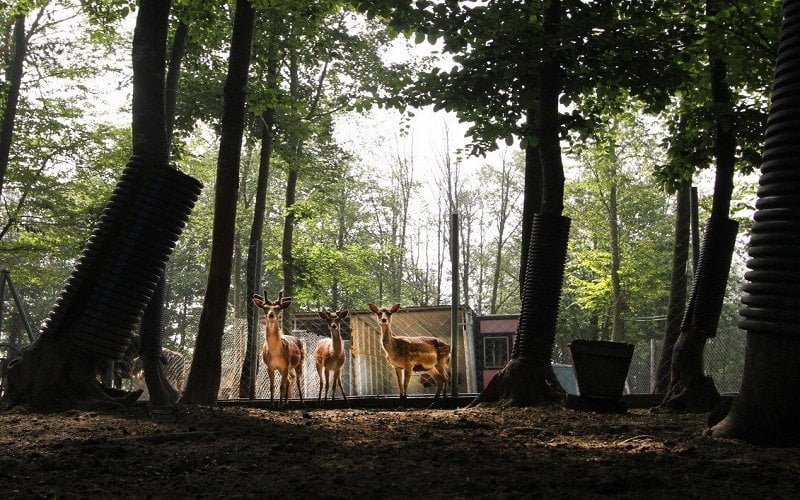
[[271, 308], [333, 319], [384, 314]]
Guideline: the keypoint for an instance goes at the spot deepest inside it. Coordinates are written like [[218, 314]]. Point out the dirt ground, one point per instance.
[[356, 453]]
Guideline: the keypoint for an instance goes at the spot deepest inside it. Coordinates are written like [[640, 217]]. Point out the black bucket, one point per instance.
[[601, 367]]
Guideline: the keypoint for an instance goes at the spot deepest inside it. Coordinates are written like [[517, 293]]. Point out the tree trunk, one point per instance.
[[690, 388], [68, 368], [498, 257], [161, 392], [677, 292], [173, 75], [532, 200], [767, 409], [528, 377], [203, 383], [618, 302], [257, 228], [12, 98]]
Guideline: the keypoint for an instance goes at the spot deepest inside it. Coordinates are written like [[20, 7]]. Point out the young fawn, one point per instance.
[[329, 355], [283, 353], [427, 355]]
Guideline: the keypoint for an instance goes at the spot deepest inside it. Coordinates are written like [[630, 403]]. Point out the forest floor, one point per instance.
[[239, 451]]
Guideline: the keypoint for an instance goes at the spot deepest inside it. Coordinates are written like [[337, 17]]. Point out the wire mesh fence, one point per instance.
[[481, 351], [366, 370]]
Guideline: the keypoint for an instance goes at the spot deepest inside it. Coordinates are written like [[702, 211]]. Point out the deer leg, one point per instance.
[[399, 374], [337, 379], [299, 372], [406, 380], [271, 386], [321, 383], [284, 391]]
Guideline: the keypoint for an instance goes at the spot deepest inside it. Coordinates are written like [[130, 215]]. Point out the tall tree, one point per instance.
[[203, 382], [12, 96], [677, 294], [690, 388], [766, 411]]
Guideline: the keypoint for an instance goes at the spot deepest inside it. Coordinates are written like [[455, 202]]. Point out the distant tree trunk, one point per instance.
[[173, 75], [287, 245], [677, 292], [618, 301], [532, 200], [256, 230], [12, 98], [528, 377], [690, 388], [203, 383], [505, 201]]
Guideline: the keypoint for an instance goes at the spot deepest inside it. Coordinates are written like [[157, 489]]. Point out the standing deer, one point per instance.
[[281, 352], [329, 355], [428, 355]]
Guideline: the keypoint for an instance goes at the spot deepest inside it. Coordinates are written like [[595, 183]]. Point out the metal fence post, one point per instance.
[[652, 365], [254, 329], [454, 323]]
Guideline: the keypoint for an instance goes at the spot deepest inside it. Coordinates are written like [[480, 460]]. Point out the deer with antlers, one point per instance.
[[425, 355], [283, 353], [329, 355]]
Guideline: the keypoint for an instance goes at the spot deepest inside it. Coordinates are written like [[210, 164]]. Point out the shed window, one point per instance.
[[495, 352]]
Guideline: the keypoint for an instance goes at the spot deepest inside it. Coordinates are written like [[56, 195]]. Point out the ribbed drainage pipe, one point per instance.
[[772, 292], [124, 258], [544, 273]]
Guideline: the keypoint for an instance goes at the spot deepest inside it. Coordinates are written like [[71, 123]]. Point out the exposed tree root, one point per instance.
[[522, 383], [51, 375], [690, 390], [162, 394], [698, 395]]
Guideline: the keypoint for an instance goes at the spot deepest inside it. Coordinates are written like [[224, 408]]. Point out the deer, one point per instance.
[[329, 355], [426, 355], [283, 353]]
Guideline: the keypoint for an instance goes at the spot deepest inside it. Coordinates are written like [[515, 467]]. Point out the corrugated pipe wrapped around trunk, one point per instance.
[[711, 276], [775, 238], [544, 273], [123, 259]]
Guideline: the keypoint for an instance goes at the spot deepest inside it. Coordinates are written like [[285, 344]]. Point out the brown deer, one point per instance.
[[427, 355], [281, 352], [329, 355]]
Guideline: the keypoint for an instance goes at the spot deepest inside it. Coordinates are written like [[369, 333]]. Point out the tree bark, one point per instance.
[[677, 293], [12, 98], [203, 383]]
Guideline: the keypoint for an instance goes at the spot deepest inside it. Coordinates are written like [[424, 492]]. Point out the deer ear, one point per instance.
[[258, 300], [373, 308], [285, 302], [395, 308], [343, 314], [322, 314]]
